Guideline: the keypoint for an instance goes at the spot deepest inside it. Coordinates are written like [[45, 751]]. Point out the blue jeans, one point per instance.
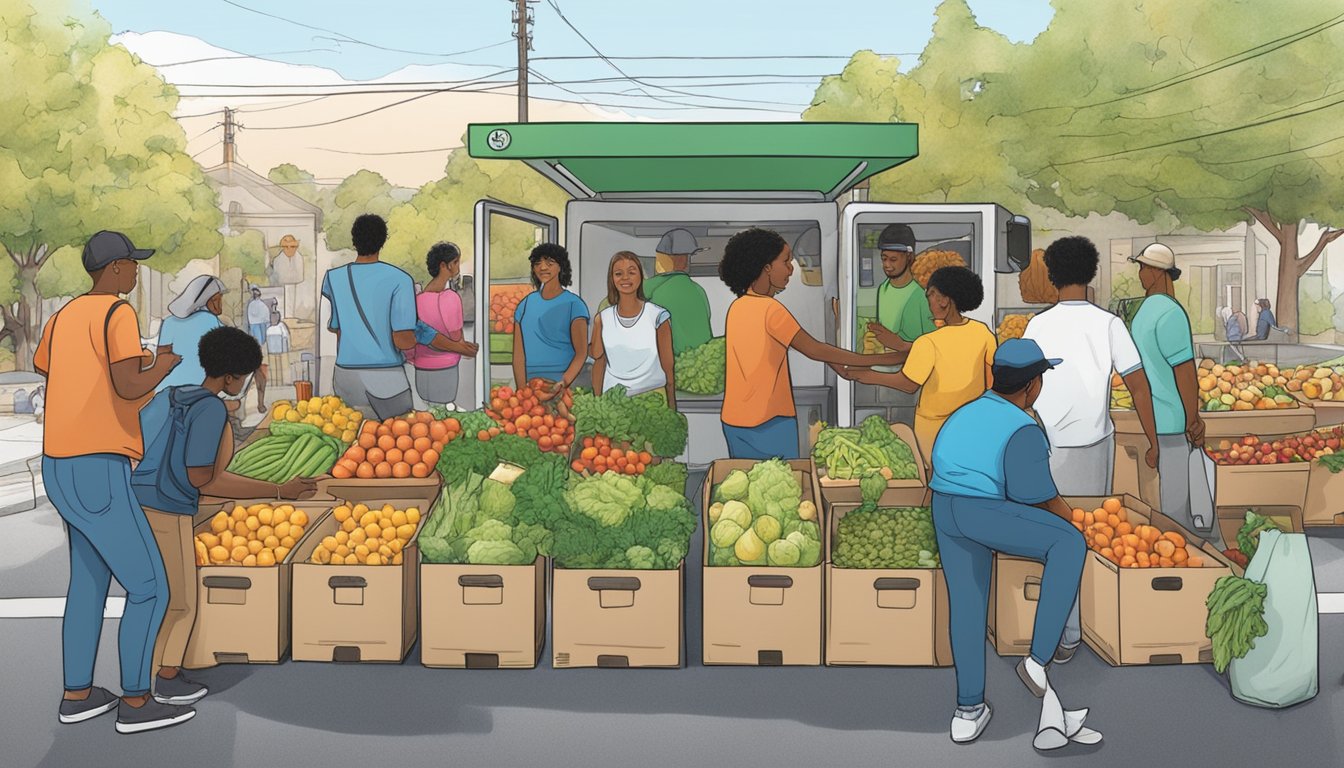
[[258, 331], [775, 439], [969, 532], [109, 536]]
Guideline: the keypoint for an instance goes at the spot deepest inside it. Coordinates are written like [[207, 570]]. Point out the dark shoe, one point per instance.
[[151, 716], [99, 702], [1025, 677], [1064, 654], [178, 690]]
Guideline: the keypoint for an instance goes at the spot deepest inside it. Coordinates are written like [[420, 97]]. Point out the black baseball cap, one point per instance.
[[897, 237], [107, 247]]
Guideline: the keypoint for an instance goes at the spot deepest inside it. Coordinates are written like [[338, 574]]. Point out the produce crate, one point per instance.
[[1230, 519], [617, 618], [1253, 485], [501, 348], [761, 616], [1324, 505], [1014, 591], [482, 616], [242, 613], [357, 490], [910, 493], [355, 612], [1134, 616], [1271, 423], [884, 616], [1329, 413]]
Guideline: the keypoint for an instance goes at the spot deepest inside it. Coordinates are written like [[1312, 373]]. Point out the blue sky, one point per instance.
[[419, 30]]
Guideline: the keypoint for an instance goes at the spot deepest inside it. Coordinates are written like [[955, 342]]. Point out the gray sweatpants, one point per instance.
[[1082, 471], [1183, 488]]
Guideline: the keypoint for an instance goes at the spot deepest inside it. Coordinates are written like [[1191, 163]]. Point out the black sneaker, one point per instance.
[[100, 701], [178, 690], [151, 716]]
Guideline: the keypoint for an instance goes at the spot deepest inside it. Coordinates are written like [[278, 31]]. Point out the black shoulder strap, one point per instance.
[[358, 306], [107, 324]]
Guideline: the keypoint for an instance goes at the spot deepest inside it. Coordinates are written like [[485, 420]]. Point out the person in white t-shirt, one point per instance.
[[632, 338], [1074, 407]]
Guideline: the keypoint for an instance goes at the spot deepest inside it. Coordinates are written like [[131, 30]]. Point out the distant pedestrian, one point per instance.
[[39, 403], [258, 317], [1264, 321], [91, 354], [194, 313]]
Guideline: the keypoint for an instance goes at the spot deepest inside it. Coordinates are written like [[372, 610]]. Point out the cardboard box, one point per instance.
[[1230, 520], [1329, 413], [482, 616], [381, 489], [355, 612], [911, 492], [1148, 615], [617, 618], [1252, 485], [1273, 423], [1132, 475], [1014, 592], [762, 616], [1324, 504], [884, 617], [242, 614]]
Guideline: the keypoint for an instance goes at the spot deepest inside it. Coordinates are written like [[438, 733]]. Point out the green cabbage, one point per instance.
[[783, 553], [607, 498], [490, 530], [496, 553], [725, 533], [767, 528], [734, 487], [640, 557], [737, 512], [773, 491], [497, 501]]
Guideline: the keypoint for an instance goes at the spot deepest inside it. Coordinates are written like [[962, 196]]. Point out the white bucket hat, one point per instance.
[[1159, 256], [197, 294]]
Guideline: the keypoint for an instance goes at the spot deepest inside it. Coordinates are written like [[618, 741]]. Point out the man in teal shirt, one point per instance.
[[674, 290], [902, 308], [1161, 331]]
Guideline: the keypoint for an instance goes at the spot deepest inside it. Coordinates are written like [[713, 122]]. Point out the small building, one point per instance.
[[16, 391]]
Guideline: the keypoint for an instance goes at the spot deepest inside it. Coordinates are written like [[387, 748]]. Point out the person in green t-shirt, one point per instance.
[[902, 308], [673, 289]]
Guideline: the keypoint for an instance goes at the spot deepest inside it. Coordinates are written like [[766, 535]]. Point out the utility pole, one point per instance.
[[228, 136], [522, 19]]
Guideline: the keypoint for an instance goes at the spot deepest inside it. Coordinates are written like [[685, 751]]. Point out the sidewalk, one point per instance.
[[20, 464]]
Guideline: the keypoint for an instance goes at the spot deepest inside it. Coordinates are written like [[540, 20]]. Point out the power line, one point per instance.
[[1208, 69], [1279, 154], [705, 58], [238, 56], [204, 133], [1209, 135], [207, 149], [677, 105], [362, 84], [344, 38], [380, 154]]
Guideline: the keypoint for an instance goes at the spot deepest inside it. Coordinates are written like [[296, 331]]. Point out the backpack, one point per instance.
[[162, 463]]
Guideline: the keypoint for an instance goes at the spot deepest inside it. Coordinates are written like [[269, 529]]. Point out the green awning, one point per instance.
[[598, 158]]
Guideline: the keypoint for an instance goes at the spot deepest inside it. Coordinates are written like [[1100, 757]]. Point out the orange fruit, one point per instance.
[[374, 456], [400, 427], [1112, 506], [387, 442], [393, 456], [405, 442], [438, 430], [424, 417], [401, 469], [355, 453], [340, 472], [367, 440], [411, 457], [422, 444], [365, 471], [383, 470], [420, 470], [430, 457], [419, 429]]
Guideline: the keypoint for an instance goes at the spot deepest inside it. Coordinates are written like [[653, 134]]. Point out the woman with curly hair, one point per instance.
[[550, 332], [759, 418], [951, 366], [439, 307]]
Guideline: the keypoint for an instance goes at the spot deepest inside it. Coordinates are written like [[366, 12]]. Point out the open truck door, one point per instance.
[[499, 283], [988, 238]]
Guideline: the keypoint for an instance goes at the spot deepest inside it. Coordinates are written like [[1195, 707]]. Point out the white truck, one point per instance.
[[631, 183]]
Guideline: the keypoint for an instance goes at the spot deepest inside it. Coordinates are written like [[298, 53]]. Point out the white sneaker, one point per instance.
[[967, 728]]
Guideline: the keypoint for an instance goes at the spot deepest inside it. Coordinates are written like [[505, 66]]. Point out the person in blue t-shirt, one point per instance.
[[194, 313], [550, 332], [992, 492], [188, 444], [373, 317]]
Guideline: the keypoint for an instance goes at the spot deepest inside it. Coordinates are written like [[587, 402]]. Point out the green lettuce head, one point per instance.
[[734, 486], [783, 553], [725, 533]]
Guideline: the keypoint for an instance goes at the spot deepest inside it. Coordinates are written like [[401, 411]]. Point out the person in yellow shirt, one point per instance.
[[949, 367], [759, 419]]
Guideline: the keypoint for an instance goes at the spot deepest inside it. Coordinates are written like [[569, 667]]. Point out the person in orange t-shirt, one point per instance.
[[759, 419], [91, 355]]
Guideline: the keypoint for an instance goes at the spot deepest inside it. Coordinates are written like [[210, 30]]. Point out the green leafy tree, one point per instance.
[[1167, 108], [953, 94], [89, 143], [303, 184], [364, 192], [245, 251], [444, 210]]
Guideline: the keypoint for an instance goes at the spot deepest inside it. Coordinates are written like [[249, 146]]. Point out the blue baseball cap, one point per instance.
[[1021, 354]]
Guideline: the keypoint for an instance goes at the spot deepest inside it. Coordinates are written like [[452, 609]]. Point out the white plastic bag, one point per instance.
[[1283, 667]]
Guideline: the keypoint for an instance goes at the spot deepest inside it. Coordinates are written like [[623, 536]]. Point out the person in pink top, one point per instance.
[[439, 307]]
